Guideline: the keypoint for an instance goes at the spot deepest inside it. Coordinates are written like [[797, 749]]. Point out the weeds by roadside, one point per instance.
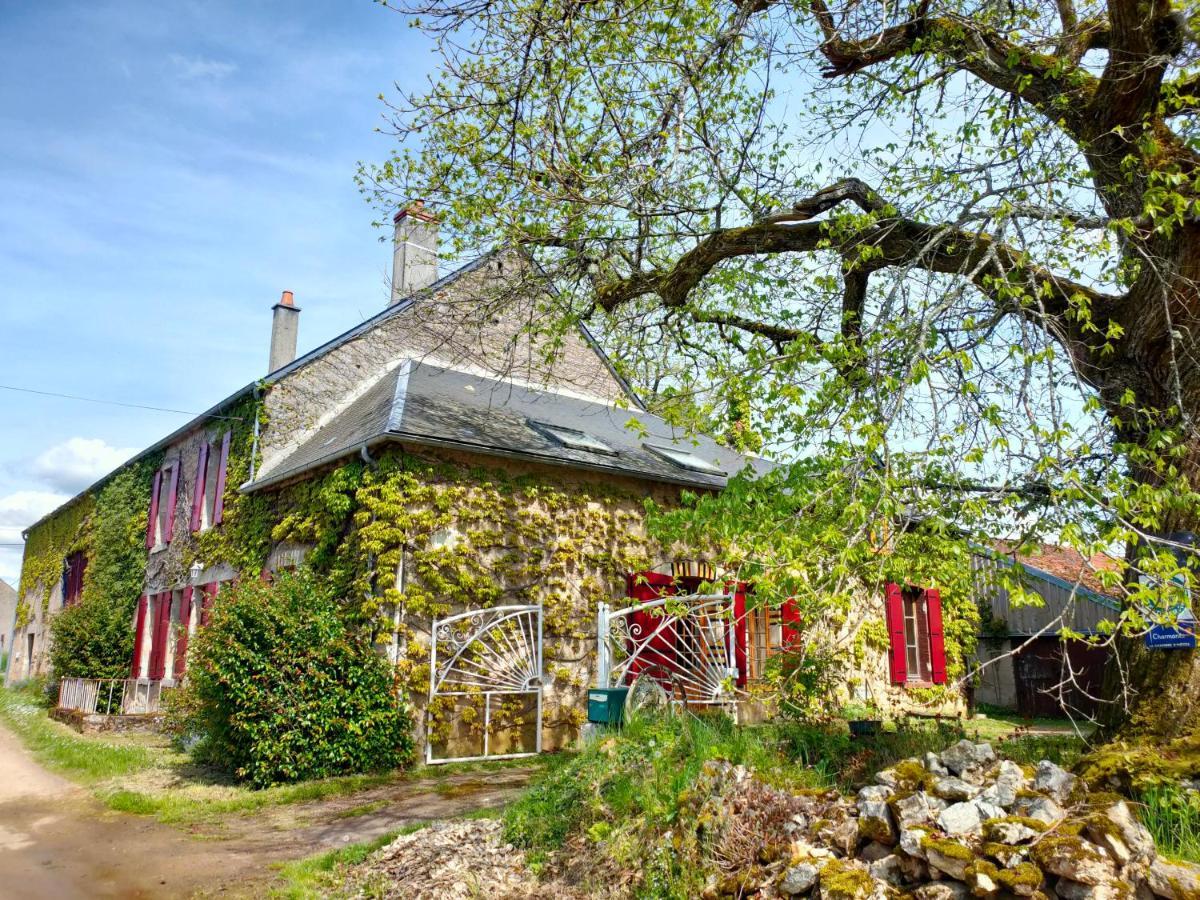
[[320, 876], [1173, 817]]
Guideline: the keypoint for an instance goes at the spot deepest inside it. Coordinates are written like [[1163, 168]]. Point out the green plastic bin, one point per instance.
[[606, 706]]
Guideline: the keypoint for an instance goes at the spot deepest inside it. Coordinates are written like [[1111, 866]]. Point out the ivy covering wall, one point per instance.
[[107, 524]]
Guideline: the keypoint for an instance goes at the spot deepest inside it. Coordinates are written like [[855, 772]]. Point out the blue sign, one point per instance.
[[1171, 637]]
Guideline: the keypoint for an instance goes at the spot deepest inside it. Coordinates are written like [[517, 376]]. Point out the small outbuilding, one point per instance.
[[1025, 662]]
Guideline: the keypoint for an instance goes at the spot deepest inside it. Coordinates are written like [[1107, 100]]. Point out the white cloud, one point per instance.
[[18, 511], [200, 69], [78, 462]]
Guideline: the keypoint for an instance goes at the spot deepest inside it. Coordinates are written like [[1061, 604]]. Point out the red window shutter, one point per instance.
[[198, 486], [209, 592], [789, 613], [153, 509], [181, 643], [158, 656], [895, 627], [139, 624], [937, 640], [656, 651], [172, 497], [219, 505]]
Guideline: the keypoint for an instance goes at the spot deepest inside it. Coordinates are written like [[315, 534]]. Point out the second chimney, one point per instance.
[[285, 328], [414, 262]]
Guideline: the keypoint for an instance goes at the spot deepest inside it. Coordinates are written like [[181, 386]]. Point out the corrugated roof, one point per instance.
[[425, 404]]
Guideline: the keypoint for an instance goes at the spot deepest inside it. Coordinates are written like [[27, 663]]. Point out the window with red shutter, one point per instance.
[[139, 625], [209, 592], [161, 527], [198, 488], [897, 645], [937, 639], [184, 632], [222, 471], [162, 630], [172, 500], [72, 580], [152, 521]]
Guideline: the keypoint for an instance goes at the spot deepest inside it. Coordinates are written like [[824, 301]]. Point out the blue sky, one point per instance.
[[166, 170]]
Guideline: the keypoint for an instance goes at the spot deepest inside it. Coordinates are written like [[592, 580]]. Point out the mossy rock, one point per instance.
[[1131, 768], [1020, 878], [911, 776], [842, 881], [948, 848], [1035, 824]]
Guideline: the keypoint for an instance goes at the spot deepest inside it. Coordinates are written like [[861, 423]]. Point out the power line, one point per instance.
[[183, 412]]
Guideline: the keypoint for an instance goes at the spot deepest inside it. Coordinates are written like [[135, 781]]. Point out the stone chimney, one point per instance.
[[285, 328], [414, 263]]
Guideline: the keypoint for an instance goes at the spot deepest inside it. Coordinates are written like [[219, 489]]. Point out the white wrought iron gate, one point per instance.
[[487, 654], [686, 643]]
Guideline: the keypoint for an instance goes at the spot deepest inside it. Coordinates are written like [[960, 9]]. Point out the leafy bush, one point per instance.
[[93, 639], [280, 688]]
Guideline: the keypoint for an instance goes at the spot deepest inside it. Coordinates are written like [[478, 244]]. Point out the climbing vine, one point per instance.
[[406, 539], [107, 524]]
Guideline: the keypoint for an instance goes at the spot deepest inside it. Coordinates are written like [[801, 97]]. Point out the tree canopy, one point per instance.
[[952, 245]]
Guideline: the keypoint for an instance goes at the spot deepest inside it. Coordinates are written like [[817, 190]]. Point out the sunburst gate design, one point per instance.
[[685, 643], [487, 653]]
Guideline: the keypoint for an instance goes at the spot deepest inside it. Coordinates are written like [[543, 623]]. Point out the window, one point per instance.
[[917, 649], [772, 630], [208, 493], [916, 636], [573, 438], [684, 459], [163, 493], [72, 579]]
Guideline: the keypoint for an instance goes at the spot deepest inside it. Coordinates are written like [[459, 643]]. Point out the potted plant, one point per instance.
[[864, 719]]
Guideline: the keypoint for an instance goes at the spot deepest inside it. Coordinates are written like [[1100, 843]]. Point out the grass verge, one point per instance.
[[1173, 817], [61, 750], [150, 778]]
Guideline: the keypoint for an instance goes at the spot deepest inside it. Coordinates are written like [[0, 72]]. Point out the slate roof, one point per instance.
[[318, 352], [424, 404]]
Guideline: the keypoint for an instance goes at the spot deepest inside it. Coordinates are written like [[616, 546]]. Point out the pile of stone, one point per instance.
[[960, 824]]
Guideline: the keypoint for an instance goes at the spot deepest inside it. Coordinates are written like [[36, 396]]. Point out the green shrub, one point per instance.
[[93, 639], [280, 688]]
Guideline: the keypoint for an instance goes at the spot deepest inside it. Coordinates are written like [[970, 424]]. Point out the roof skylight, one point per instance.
[[684, 459], [573, 438]]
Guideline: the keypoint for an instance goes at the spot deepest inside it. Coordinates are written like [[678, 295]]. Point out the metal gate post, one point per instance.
[[602, 648]]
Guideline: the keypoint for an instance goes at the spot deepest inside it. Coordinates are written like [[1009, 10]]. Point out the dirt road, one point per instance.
[[58, 841]]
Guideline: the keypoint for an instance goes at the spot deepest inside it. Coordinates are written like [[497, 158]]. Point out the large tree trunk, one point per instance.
[[1157, 692]]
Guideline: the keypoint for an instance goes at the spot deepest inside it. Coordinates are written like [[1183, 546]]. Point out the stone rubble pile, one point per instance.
[[954, 825]]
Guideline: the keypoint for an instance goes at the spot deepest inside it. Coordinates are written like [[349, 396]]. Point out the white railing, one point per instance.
[[110, 696]]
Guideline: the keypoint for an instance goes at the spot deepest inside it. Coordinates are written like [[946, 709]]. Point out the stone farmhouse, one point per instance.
[[476, 488]]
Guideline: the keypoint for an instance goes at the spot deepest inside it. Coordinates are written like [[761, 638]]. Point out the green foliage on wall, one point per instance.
[[46, 547], [94, 638], [108, 524], [464, 537], [281, 689], [825, 533]]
